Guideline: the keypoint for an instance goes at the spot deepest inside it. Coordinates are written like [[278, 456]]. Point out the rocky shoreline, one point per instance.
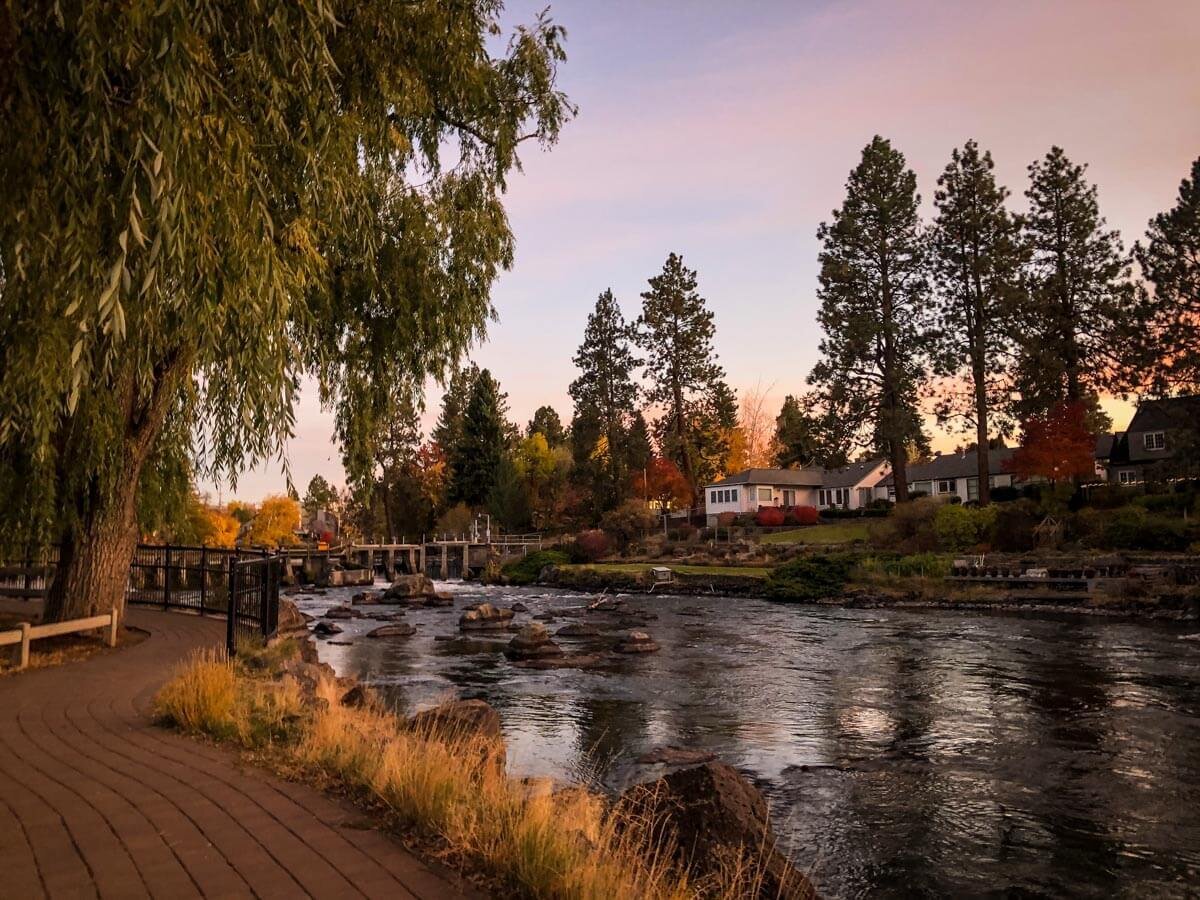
[[1168, 607]]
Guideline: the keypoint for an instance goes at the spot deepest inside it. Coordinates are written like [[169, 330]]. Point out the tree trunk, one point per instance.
[[981, 437], [93, 566], [899, 470]]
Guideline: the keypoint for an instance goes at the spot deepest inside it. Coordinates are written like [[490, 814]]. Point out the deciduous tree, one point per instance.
[[874, 296], [1058, 445], [977, 255], [275, 522], [205, 201]]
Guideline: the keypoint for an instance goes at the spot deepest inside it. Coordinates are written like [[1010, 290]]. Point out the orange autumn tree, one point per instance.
[[275, 523], [1056, 446], [666, 484]]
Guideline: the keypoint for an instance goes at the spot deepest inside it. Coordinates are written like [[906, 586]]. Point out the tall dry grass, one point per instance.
[[567, 845]]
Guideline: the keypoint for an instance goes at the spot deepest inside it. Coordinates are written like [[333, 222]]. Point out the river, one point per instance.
[[904, 753]]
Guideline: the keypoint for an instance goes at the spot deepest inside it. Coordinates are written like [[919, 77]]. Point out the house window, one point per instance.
[[947, 486], [712, 496], [733, 496], [1127, 476], [765, 495], [1154, 440], [789, 498], [822, 497], [972, 488]]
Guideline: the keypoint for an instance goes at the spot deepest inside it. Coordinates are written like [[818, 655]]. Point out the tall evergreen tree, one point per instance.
[[638, 448], [546, 421], [1079, 310], [793, 436], [475, 459], [873, 292], [976, 255], [447, 431], [675, 331], [605, 397], [1170, 260]]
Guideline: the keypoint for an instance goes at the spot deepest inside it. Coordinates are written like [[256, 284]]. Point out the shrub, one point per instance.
[[881, 503], [1166, 503], [593, 544], [769, 517], [727, 519], [1004, 493], [811, 577], [628, 522], [958, 527], [526, 569], [744, 520], [685, 532], [456, 520], [1132, 528], [909, 529], [1012, 531], [926, 565], [802, 515]]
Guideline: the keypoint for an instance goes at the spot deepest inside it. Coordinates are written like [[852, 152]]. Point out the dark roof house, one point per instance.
[[955, 465], [797, 477], [1158, 431]]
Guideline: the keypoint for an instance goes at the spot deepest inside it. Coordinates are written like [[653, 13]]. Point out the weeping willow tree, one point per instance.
[[203, 203]]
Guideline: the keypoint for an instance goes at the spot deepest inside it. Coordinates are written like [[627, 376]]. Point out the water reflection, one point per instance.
[[904, 753]]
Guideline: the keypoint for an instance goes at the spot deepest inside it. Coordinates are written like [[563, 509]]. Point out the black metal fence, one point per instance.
[[242, 585]]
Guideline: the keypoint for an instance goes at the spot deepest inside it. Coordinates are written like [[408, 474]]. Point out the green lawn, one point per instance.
[[637, 568], [833, 533]]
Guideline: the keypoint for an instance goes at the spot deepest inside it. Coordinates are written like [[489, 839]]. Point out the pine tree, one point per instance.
[[1079, 310], [605, 397], [546, 421], [447, 431], [508, 499], [976, 255], [873, 293], [675, 330], [476, 458], [638, 448], [804, 439], [1170, 259]]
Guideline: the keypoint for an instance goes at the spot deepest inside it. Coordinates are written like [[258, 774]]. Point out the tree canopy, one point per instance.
[[203, 203]]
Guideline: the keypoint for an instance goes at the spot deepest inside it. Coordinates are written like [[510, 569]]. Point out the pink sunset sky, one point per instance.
[[725, 131]]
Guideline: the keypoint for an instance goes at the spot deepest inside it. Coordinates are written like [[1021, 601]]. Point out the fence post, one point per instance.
[[231, 611], [203, 577], [112, 628], [166, 577], [23, 652]]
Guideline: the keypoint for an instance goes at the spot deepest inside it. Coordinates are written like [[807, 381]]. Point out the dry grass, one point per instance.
[[568, 845]]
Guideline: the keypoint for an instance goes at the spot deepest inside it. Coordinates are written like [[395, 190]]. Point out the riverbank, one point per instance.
[[877, 591]]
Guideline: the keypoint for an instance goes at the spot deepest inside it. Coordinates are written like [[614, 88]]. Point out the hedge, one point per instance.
[[526, 569]]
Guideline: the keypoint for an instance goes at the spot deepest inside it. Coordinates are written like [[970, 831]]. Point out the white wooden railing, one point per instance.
[[24, 633]]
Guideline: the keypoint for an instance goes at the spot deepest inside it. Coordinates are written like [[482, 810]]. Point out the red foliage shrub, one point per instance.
[[769, 516], [593, 544], [802, 515], [727, 519], [1057, 446]]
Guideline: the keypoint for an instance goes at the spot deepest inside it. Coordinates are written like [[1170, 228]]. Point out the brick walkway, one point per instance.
[[96, 801]]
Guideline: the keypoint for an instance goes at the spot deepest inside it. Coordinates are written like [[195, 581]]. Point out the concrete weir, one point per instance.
[[442, 559]]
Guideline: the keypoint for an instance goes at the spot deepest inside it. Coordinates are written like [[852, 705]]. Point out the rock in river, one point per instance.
[[408, 586], [636, 642], [324, 629], [532, 642], [675, 756], [400, 629], [577, 630], [367, 598], [341, 612], [484, 617], [715, 815]]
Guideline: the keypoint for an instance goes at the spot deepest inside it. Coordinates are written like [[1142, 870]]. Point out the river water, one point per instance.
[[904, 753]]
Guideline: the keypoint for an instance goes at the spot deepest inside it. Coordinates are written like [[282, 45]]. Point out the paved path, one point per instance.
[[96, 801]]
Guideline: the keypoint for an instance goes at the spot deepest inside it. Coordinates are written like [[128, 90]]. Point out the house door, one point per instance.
[[789, 498]]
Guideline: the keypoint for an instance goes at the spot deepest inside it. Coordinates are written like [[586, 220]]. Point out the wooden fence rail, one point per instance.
[[25, 633]]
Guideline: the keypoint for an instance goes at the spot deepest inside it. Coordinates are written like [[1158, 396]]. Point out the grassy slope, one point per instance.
[[833, 533]]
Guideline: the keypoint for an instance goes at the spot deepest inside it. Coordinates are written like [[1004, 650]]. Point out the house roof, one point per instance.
[[954, 465], [784, 477], [849, 476], [1169, 412], [1105, 442]]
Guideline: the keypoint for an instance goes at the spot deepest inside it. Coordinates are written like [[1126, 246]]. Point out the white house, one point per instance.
[[850, 488], [950, 474], [746, 491]]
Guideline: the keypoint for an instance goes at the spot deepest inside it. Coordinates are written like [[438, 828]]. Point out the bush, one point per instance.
[[593, 544], [744, 520], [881, 503], [1012, 531], [1004, 493], [727, 519], [925, 565], [863, 512], [456, 520], [1132, 528], [684, 532], [801, 515], [959, 527], [628, 522], [526, 569], [769, 517], [811, 577], [909, 529], [1167, 503]]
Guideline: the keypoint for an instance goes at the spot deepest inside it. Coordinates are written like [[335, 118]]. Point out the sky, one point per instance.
[[725, 131]]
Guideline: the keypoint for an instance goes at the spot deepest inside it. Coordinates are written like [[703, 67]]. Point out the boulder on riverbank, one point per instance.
[[675, 756], [407, 587], [636, 642], [485, 617], [532, 642], [291, 623], [714, 815], [465, 721]]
